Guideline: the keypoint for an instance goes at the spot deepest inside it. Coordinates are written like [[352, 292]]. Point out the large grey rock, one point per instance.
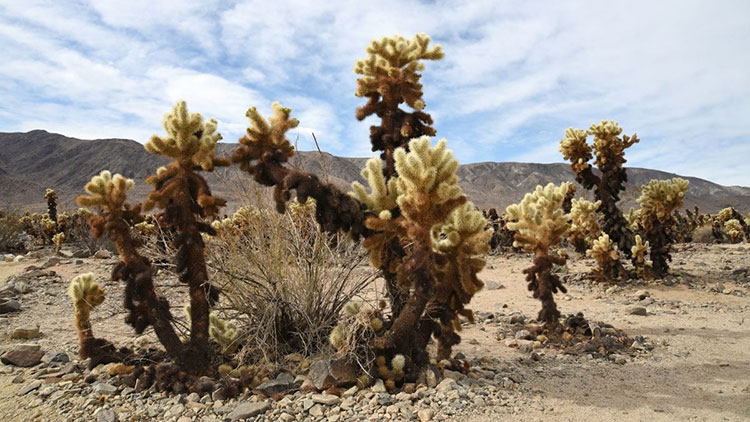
[[106, 415], [248, 410], [26, 389], [104, 388], [328, 373], [103, 254]]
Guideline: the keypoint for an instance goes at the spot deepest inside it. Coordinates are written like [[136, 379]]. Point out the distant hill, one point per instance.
[[33, 161]]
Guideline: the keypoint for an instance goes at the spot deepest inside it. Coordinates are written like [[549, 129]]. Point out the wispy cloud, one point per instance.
[[514, 77]]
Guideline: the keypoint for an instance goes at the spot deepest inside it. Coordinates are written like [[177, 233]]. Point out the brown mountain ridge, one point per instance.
[[33, 161]]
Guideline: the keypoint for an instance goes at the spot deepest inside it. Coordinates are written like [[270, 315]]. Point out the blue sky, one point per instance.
[[515, 75]]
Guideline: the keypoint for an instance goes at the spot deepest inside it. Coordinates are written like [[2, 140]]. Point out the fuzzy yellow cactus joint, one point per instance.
[[86, 294], [396, 58], [733, 228], [106, 191], [538, 219], [659, 198], [575, 149], [382, 196], [427, 181], [584, 227], [189, 138], [266, 135]]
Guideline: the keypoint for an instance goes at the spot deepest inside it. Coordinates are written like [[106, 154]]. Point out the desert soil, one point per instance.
[[698, 321]]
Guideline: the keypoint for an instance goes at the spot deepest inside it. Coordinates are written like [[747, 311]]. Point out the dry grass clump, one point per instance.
[[11, 233], [285, 281]]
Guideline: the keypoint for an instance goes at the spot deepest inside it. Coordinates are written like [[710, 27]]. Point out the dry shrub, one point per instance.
[[283, 280], [11, 233], [704, 234]]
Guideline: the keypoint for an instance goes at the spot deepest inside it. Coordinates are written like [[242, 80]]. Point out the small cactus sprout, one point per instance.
[[607, 258], [642, 264], [225, 333], [659, 200], [608, 153], [540, 224], [584, 226], [86, 295], [58, 240]]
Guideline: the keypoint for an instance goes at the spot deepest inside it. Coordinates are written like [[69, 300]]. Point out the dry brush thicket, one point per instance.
[[294, 278]]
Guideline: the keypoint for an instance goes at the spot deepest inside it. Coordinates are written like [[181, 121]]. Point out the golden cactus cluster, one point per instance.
[[396, 58], [607, 258], [733, 228], [584, 226], [106, 191], [189, 138], [86, 293], [659, 198], [538, 219]]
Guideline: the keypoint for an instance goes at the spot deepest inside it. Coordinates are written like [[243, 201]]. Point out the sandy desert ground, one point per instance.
[[697, 320]]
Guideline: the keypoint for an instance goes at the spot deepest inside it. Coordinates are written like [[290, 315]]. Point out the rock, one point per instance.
[[642, 294], [57, 358], [9, 306], [103, 254], [425, 415], [283, 383], [328, 373], [638, 310], [25, 332], [454, 375], [106, 415], [51, 262], [492, 285], [523, 335], [9, 257], [316, 411], [326, 399], [82, 253], [378, 387], [26, 389], [22, 357], [104, 388], [248, 410], [65, 253], [446, 385], [432, 376]]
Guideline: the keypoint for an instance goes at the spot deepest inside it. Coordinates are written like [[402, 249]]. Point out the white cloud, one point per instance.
[[514, 77]]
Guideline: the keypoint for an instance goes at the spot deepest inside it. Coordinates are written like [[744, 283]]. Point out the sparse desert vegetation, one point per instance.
[[395, 299]]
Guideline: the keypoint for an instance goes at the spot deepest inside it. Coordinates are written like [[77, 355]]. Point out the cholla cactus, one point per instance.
[[225, 333], [607, 258], [608, 152], [390, 77], [262, 153], [659, 199], [58, 240], [584, 227], [540, 224], [109, 193], [86, 295], [51, 196], [740, 228], [191, 143], [639, 251], [412, 197], [733, 229]]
